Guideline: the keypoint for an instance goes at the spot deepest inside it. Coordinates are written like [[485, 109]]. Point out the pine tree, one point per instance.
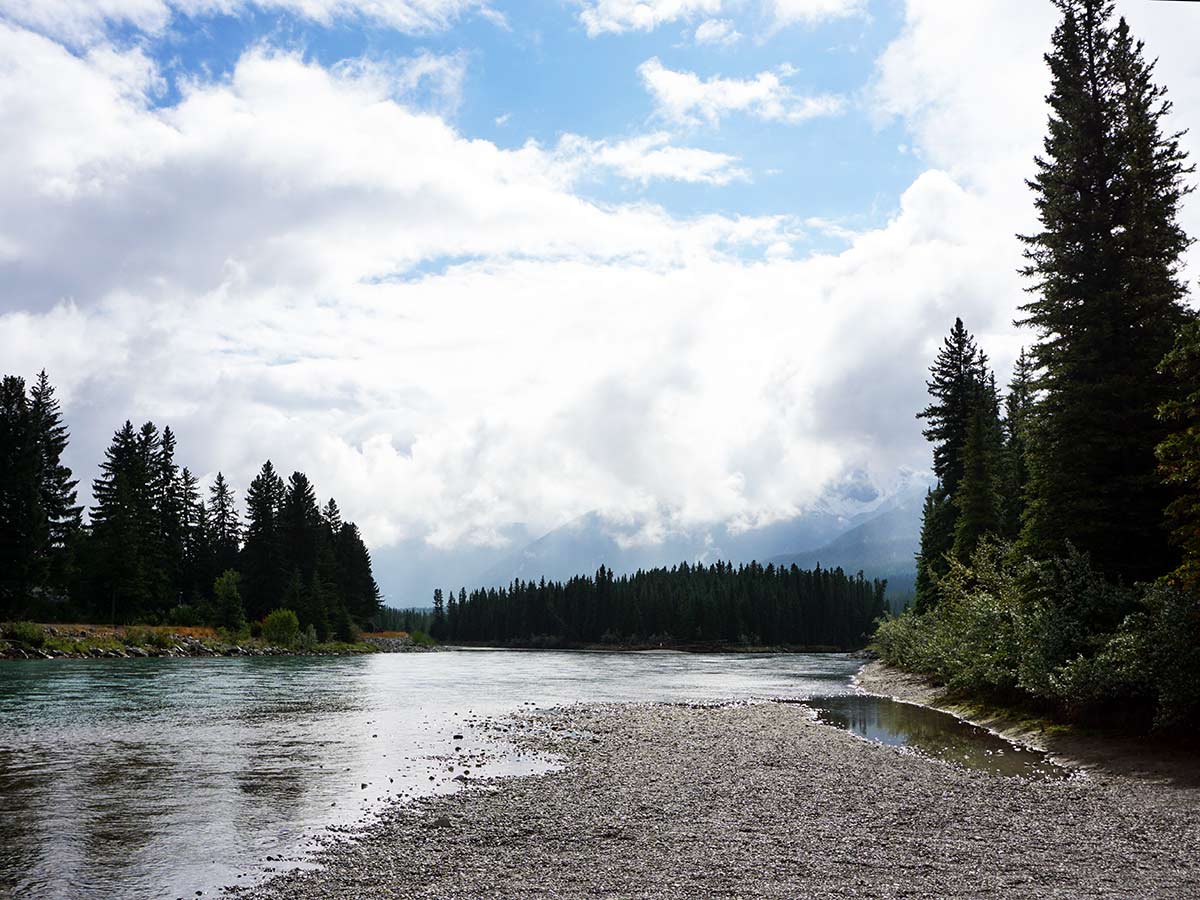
[[956, 384], [226, 527], [56, 487], [123, 552], [976, 503], [1014, 475], [1179, 453], [1107, 300], [300, 526], [356, 584], [21, 516], [438, 628], [264, 578]]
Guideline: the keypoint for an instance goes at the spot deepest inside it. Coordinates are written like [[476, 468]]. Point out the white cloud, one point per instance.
[[811, 12], [650, 157], [688, 99], [717, 31], [298, 263], [616, 16], [86, 21]]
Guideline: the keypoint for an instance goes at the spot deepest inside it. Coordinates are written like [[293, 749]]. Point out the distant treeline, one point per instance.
[[719, 603], [154, 549]]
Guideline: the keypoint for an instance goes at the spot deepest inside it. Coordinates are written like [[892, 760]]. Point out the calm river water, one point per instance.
[[162, 777]]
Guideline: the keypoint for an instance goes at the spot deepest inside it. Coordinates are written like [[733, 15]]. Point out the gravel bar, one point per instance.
[[758, 800]]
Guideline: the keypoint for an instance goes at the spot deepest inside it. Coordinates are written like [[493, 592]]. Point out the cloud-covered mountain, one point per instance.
[[854, 526]]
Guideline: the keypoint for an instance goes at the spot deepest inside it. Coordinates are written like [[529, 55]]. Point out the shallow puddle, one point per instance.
[[933, 733]]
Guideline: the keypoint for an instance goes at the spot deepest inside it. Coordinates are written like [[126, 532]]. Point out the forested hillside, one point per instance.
[[1059, 562], [720, 603], [153, 548]]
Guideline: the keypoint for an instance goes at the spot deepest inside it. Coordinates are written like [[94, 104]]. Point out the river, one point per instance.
[[164, 777]]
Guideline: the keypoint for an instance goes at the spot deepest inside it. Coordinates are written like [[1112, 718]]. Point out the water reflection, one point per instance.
[[933, 733], [158, 777]]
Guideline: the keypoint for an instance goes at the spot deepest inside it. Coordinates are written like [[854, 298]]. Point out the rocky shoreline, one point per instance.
[[758, 800], [64, 642]]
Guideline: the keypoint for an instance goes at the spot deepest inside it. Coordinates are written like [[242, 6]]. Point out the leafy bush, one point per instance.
[[28, 633], [227, 602], [1151, 664], [185, 615], [307, 640], [421, 639], [281, 628], [1056, 633], [142, 636]]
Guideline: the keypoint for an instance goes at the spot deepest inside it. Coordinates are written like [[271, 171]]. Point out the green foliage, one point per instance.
[[307, 642], [1015, 629], [718, 603], [963, 423], [227, 602], [971, 640], [1179, 453], [140, 636], [1106, 299], [28, 633], [281, 628], [185, 615], [421, 639]]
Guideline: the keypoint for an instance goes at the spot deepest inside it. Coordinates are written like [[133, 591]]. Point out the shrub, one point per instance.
[[185, 615], [421, 639], [142, 636], [281, 628], [227, 602], [28, 633], [307, 640]]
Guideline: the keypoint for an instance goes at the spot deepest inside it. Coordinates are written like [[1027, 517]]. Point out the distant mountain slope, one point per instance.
[[882, 547], [584, 544]]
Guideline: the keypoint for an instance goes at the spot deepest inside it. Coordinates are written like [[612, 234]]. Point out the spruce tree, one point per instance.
[[264, 578], [1014, 474], [955, 386], [225, 526], [1179, 453], [977, 503], [56, 487], [1106, 298], [21, 516], [123, 557]]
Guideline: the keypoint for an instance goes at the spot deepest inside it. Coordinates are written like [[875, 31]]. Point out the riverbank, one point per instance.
[[758, 800], [31, 641], [1090, 750]]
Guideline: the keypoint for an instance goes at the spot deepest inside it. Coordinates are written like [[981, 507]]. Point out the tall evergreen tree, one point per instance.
[[301, 526], [56, 487], [1179, 453], [953, 388], [264, 578], [1107, 299], [977, 502], [1014, 474], [21, 517], [123, 553], [225, 526], [956, 382]]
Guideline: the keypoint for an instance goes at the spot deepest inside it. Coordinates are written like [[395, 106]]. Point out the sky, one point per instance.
[[480, 267]]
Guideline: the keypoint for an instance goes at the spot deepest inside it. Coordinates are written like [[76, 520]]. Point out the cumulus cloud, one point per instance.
[[87, 21], [616, 16], [299, 262], [810, 12], [650, 157], [717, 31], [688, 99]]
